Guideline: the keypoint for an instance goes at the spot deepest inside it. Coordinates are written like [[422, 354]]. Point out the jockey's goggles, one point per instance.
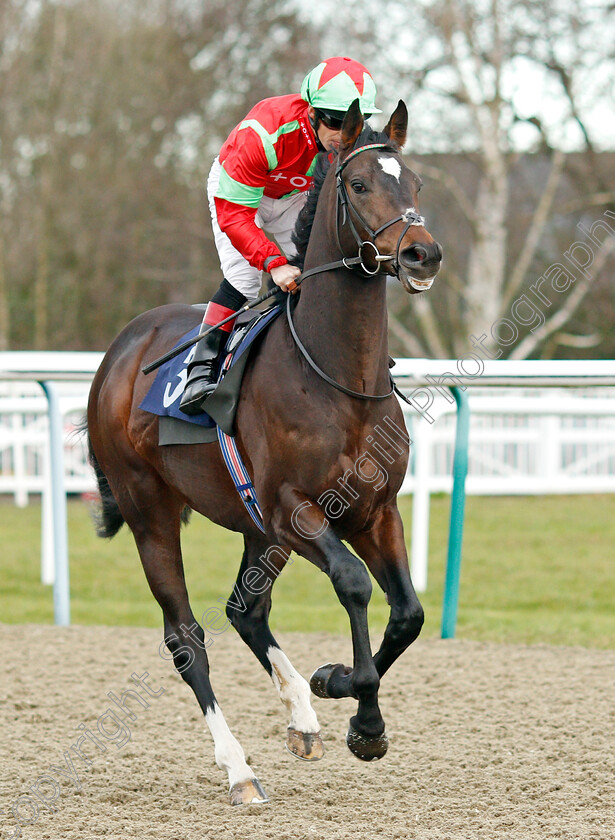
[[333, 119]]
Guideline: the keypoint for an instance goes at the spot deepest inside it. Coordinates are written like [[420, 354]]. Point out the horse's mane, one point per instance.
[[305, 220]]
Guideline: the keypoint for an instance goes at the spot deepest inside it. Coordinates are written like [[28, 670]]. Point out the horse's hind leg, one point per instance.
[[153, 514], [248, 611]]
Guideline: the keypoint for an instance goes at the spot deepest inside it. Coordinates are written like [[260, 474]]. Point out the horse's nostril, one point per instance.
[[417, 254], [414, 254]]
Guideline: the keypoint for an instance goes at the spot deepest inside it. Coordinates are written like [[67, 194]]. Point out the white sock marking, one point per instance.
[[227, 749], [390, 166], [294, 692]]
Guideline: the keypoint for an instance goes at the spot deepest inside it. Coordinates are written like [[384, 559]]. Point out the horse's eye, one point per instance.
[[358, 186]]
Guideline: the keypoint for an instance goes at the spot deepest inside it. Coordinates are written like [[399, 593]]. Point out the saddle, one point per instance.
[[165, 393]]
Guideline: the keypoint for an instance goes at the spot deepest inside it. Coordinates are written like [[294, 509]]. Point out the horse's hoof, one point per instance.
[[367, 749], [248, 793], [305, 745], [320, 678]]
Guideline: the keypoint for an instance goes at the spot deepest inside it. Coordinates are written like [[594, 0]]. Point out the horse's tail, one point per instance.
[[107, 518]]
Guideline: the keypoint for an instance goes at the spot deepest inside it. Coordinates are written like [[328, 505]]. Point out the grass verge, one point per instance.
[[535, 569]]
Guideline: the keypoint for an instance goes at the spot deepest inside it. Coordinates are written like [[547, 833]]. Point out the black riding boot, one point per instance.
[[202, 372]]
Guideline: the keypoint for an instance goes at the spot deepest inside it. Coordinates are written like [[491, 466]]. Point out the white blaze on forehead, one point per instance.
[[390, 166]]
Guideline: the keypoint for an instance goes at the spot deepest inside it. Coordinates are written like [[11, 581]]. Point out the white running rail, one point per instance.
[[537, 427]]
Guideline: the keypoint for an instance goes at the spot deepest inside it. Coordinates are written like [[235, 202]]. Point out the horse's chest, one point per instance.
[[360, 463], [348, 483]]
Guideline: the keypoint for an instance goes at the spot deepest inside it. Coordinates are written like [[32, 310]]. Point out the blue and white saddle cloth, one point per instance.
[[165, 394]]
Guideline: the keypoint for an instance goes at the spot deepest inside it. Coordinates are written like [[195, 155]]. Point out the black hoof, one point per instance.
[[365, 748], [320, 679]]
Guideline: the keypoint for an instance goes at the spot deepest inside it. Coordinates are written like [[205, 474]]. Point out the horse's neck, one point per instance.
[[342, 318]]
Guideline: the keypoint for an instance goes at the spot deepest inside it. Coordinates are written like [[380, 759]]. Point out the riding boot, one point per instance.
[[202, 372]]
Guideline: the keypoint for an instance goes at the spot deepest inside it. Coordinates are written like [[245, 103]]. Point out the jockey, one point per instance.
[[259, 181]]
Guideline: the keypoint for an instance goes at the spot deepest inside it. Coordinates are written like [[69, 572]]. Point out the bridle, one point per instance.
[[348, 210], [343, 204]]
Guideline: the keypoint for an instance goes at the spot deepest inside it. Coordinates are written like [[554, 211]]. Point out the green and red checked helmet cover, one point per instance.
[[336, 83]]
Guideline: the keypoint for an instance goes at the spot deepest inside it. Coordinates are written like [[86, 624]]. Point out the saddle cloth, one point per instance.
[[165, 393]]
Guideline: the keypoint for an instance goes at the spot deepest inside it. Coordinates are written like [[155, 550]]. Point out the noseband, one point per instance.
[[348, 210]]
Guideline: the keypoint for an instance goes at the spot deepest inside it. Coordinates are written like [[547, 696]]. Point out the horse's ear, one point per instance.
[[351, 128], [397, 127]]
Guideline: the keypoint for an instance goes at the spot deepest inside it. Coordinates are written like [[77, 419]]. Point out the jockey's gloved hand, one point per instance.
[[285, 276]]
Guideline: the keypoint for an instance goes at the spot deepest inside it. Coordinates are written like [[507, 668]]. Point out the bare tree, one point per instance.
[[111, 115], [488, 80]]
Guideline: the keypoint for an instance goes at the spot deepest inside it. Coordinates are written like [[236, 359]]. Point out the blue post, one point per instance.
[[458, 501], [61, 590]]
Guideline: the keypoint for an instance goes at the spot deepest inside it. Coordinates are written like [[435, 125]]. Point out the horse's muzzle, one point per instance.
[[419, 265]]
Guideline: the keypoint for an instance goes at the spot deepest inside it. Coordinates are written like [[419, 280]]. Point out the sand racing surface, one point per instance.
[[486, 741]]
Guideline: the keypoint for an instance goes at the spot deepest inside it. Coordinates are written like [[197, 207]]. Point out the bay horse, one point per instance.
[[305, 443]]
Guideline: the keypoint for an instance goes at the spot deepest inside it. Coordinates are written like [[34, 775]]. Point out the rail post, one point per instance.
[[61, 587], [458, 501]]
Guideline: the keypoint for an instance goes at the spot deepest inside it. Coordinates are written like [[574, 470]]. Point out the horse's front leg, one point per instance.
[[299, 522], [383, 549]]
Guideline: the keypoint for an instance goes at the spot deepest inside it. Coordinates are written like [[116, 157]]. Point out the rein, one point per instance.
[[349, 263], [302, 349], [343, 201]]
